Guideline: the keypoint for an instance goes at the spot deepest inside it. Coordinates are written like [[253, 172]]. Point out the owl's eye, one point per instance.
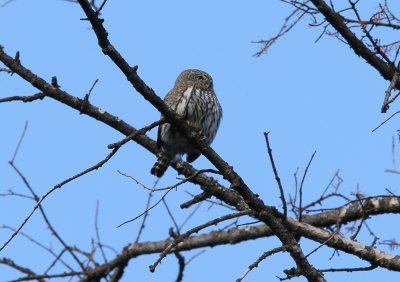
[[200, 77]]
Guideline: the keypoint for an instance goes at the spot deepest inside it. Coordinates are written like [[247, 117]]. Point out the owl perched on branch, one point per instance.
[[192, 97]]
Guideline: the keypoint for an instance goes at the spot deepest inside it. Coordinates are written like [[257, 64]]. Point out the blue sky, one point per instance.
[[310, 96]]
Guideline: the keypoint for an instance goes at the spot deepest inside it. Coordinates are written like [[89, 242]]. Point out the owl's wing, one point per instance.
[[172, 100], [178, 99]]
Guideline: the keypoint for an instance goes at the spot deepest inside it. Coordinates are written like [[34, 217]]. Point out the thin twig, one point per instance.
[[49, 225], [183, 180], [36, 199], [260, 259], [6, 3], [36, 242], [340, 180], [394, 154], [196, 199], [153, 188], [169, 188], [12, 193], [171, 215], [368, 35], [54, 262], [322, 244], [277, 178], [20, 141], [301, 187], [191, 231], [147, 210], [297, 14], [25, 99], [190, 216], [41, 278], [15, 266], [59, 185], [96, 227], [87, 95], [353, 237], [101, 7], [323, 198], [138, 132], [386, 120], [212, 202], [142, 225], [195, 256], [296, 188], [349, 269]]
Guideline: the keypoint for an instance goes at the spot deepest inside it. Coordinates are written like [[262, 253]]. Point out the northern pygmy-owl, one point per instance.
[[192, 97]]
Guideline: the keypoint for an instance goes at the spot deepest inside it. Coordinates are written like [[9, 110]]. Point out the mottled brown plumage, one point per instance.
[[192, 97]]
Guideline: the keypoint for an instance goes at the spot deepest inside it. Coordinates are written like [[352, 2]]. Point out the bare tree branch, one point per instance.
[[277, 178]]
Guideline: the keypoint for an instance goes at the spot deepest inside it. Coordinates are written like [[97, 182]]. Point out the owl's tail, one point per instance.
[[160, 166]]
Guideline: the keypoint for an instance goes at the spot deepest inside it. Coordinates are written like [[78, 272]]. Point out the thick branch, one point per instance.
[[336, 241], [343, 214], [339, 23]]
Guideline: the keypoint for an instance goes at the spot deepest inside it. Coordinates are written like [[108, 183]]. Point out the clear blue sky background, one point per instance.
[[309, 96]]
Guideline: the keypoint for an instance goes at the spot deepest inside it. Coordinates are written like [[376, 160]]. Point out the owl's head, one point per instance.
[[196, 78]]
